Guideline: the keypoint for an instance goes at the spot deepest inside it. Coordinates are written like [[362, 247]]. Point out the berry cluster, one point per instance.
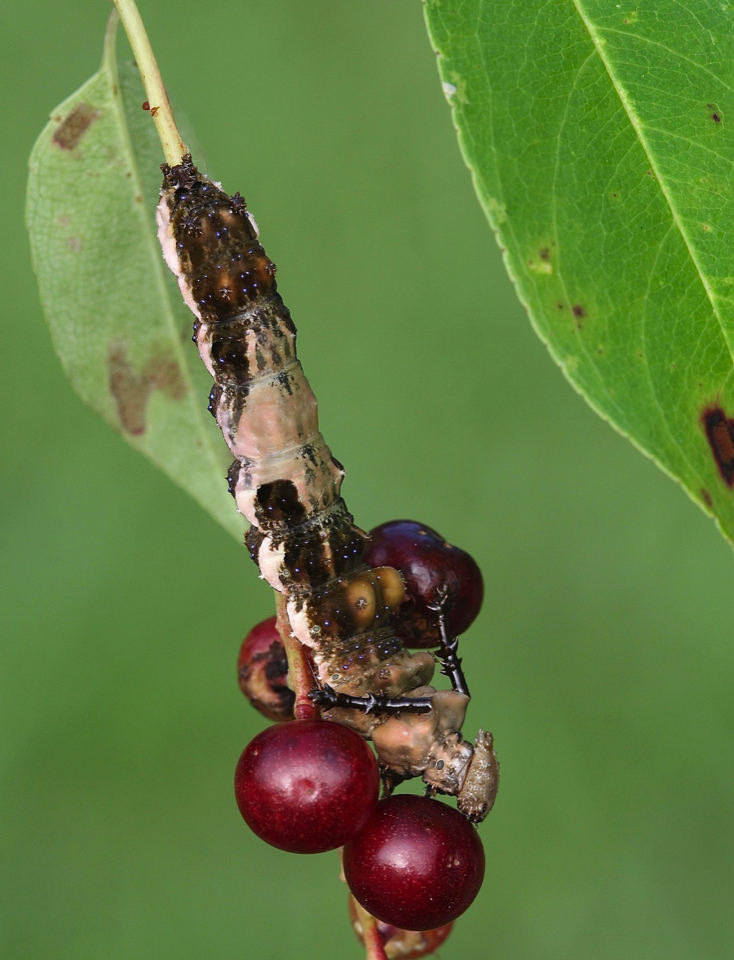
[[414, 863]]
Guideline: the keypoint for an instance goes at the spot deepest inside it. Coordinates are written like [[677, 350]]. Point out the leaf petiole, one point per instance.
[[160, 107]]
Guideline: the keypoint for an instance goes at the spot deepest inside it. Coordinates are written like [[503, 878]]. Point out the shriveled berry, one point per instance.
[[402, 944], [417, 864], [428, 564], [262, 670], [307, 786]]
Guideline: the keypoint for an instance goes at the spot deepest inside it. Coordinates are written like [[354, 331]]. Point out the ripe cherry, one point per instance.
[[417, 864], [307, 786], [262, 669], [428, 564], [402, 944]]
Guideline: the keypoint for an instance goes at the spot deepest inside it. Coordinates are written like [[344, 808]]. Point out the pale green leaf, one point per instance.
[[116, 315], [601, 140]]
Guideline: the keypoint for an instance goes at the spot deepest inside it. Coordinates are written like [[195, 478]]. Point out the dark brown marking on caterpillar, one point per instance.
[[720, 434], [132, 390], [229, 354], [303, 556], [73, 127], [278, 505]]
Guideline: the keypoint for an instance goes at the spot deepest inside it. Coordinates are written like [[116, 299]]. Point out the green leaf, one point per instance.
[[116, 315], [600, 136]]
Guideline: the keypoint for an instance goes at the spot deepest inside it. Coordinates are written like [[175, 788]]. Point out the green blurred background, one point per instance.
[[602, 659]]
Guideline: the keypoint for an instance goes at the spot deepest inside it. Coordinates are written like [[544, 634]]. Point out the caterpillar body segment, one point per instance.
[[287, 484]]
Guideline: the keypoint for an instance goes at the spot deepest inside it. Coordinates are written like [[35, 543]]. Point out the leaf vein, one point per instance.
[[638, 128]]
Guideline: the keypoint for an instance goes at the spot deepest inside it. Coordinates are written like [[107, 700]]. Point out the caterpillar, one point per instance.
[[287, 484]]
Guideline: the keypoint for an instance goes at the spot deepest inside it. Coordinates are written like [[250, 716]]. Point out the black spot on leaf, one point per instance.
[[720, 434]]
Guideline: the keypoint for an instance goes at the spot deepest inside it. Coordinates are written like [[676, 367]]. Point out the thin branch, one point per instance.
[[374, 947], [300, 674]]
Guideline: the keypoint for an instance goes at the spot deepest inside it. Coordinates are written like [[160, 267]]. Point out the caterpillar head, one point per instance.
[[448, 764]]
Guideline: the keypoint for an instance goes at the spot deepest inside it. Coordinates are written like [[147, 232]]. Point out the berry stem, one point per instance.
[[374, 947], [300, 674], [160, 108]]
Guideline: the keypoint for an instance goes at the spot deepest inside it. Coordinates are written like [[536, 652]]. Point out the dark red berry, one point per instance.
[[402, 944], [428, 564], [417, 864], [262, 669], [307, 786]]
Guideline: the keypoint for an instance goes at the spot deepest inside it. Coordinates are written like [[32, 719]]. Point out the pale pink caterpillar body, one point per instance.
[[288, 485]]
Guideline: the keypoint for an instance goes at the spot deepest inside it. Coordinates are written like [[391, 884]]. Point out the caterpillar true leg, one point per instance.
[[448, 650], [329, 698]]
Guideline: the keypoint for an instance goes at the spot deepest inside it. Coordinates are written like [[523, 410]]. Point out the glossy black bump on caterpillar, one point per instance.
[[238, 205]]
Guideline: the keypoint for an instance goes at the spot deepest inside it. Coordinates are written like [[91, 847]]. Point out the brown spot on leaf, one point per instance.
[[720, 435], [154, 111], [544, 254], [715, 112], [146, 106], [132, 390], [73, 127], [706, 497], [578, 311], [559, 306]]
